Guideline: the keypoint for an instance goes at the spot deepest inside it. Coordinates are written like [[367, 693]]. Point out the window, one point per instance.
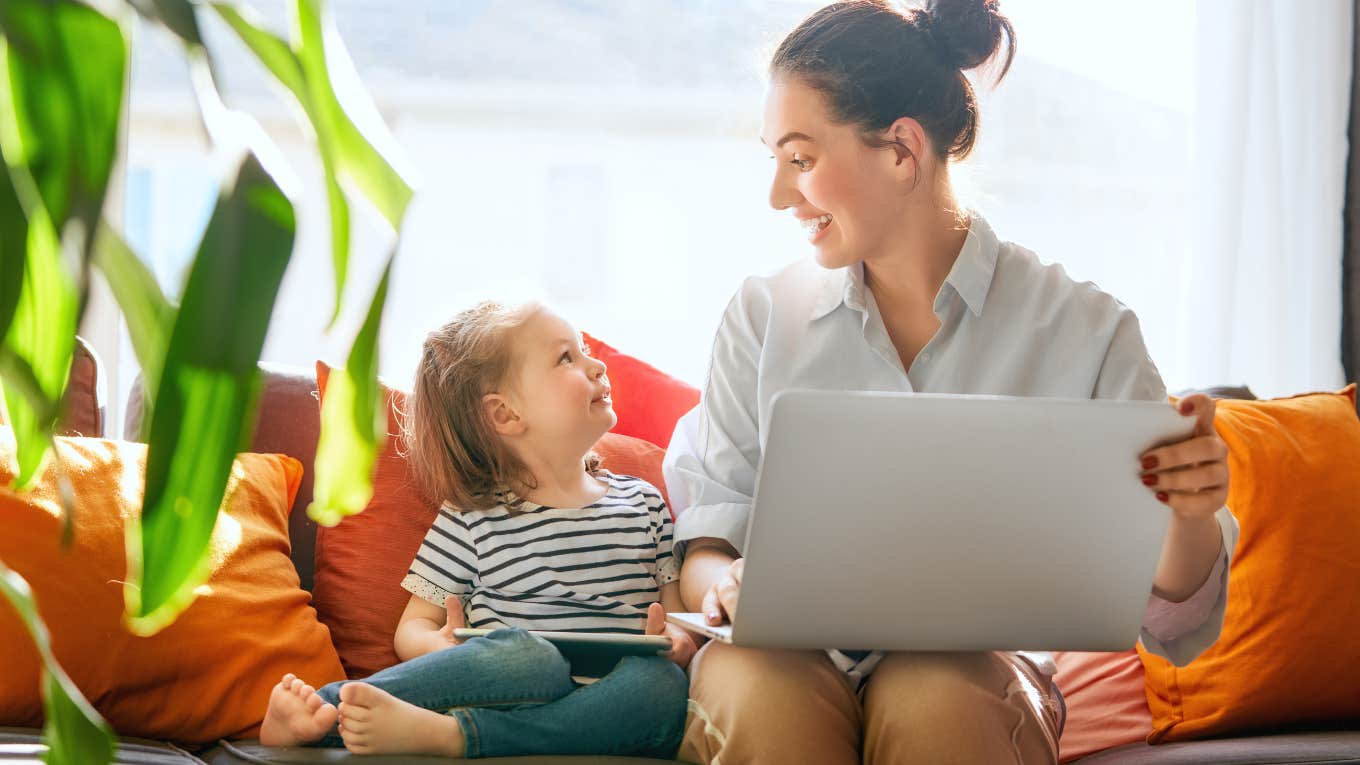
[[604, 156]]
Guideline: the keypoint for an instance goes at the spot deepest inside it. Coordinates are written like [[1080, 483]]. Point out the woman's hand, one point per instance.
[[1191, 476], [720, 602], [683, 646]]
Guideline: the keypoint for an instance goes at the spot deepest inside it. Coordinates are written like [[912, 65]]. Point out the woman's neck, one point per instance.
[[910, 272]]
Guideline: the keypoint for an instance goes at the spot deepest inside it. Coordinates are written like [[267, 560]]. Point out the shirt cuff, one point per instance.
[[1166, 620], [726, 521]]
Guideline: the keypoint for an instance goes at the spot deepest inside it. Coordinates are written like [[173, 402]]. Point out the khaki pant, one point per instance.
[[788, 707]]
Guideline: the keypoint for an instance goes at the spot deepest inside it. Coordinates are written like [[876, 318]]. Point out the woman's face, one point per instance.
[[848, 195]]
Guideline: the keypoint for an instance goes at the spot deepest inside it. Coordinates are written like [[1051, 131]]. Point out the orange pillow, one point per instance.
[[361, 561], [1289, 651], [1106, 704], [208, 675], [647, 400]]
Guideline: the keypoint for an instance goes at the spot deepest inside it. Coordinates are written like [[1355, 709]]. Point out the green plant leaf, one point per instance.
[[62, 70], [318, 72], [65, 66], [75, 733], [209, 387], [150, 317], [13, 247], [40, 342], [353, 424], [178, 16], [338, 96]]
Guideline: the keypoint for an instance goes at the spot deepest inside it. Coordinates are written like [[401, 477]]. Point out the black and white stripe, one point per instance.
[[519, 564]]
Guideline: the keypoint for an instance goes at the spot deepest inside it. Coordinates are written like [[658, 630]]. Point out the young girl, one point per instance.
[[533, 534]]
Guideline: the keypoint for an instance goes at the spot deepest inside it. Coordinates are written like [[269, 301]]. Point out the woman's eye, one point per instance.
[[801, 164]]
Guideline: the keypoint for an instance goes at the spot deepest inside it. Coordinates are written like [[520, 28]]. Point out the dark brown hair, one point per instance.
[[875, 63], [448, 439]]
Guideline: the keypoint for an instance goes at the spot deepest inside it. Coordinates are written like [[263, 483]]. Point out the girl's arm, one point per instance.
[[684, 644], [426, 628]]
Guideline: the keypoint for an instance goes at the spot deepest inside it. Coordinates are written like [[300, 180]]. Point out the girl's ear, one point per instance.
[[502, 415]]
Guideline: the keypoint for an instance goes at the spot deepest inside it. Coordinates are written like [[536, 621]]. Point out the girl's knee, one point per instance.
[[661, 676], [530, 654]]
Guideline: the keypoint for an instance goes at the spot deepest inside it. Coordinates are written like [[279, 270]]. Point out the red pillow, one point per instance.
[[1106, 703], [361, 561], [647, 400]]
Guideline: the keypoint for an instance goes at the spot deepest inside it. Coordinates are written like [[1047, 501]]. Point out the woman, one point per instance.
[[866, 110]]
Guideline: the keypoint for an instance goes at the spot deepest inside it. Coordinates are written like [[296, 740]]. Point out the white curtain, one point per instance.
[[1270, 148]]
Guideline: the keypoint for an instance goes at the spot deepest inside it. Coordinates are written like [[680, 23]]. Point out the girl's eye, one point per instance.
[[566, 356]]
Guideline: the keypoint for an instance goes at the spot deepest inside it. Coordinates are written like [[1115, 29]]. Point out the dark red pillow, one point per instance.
[[647, 400]]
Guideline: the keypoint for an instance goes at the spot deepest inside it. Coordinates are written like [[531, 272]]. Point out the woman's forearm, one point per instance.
[[706, 561], [1192, 547]]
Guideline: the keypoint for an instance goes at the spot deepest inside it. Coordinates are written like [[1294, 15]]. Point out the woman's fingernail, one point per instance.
[[713, 616], [1149, 480], [1163, 496], [1150, 462]]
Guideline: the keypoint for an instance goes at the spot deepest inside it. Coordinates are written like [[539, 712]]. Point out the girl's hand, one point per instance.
[[1191, 476], [720, 602], [683, 647], [454, 621]]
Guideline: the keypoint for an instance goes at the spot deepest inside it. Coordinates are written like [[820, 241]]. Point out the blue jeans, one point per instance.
[[512, 694]]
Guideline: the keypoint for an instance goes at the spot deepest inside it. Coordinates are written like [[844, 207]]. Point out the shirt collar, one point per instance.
[[971, 276]]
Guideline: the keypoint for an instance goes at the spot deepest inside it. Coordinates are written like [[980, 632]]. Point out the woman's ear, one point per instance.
[[908, 143], [502, 415]]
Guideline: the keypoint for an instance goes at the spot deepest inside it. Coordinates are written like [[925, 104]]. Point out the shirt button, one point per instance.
[[925, 357]]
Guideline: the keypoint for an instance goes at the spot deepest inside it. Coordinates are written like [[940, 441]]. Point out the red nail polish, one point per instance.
[[1163, 496], [1149, 480], [1149, 463]]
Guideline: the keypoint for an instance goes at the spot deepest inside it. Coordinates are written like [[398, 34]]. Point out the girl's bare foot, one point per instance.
[[297, 715], [373, 721]]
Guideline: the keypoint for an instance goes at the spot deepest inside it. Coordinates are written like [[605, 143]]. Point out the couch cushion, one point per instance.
[[206, 676], [1106, 703], [24, 746], [85, 394], [288, 423], [1315, 748], [361, 561], [1288, 652], [243, 752]]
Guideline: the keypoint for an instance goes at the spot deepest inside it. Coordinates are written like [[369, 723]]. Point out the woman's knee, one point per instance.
[[753, 705], [969, 706], [935, 684], [749, 673]]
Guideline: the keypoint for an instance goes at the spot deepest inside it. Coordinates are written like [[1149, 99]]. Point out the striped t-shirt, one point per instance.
[[580, 569]]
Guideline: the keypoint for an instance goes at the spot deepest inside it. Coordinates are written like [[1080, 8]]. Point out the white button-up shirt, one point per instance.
[[1009, 325]]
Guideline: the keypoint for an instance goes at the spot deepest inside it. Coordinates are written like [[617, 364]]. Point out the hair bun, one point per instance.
[[968, 32]]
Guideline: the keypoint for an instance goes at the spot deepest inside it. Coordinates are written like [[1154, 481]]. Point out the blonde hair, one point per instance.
[[447, 435]]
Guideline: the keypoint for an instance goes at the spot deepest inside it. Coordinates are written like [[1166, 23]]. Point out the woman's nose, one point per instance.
[[783, 194]]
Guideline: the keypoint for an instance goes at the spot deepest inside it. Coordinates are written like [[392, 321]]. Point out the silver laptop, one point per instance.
[[930, 522]]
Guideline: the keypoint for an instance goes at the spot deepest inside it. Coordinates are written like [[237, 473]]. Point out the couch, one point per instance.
[[288, 424]]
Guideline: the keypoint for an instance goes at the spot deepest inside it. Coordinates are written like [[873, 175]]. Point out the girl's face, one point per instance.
[[560, 392], [847, 194]]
